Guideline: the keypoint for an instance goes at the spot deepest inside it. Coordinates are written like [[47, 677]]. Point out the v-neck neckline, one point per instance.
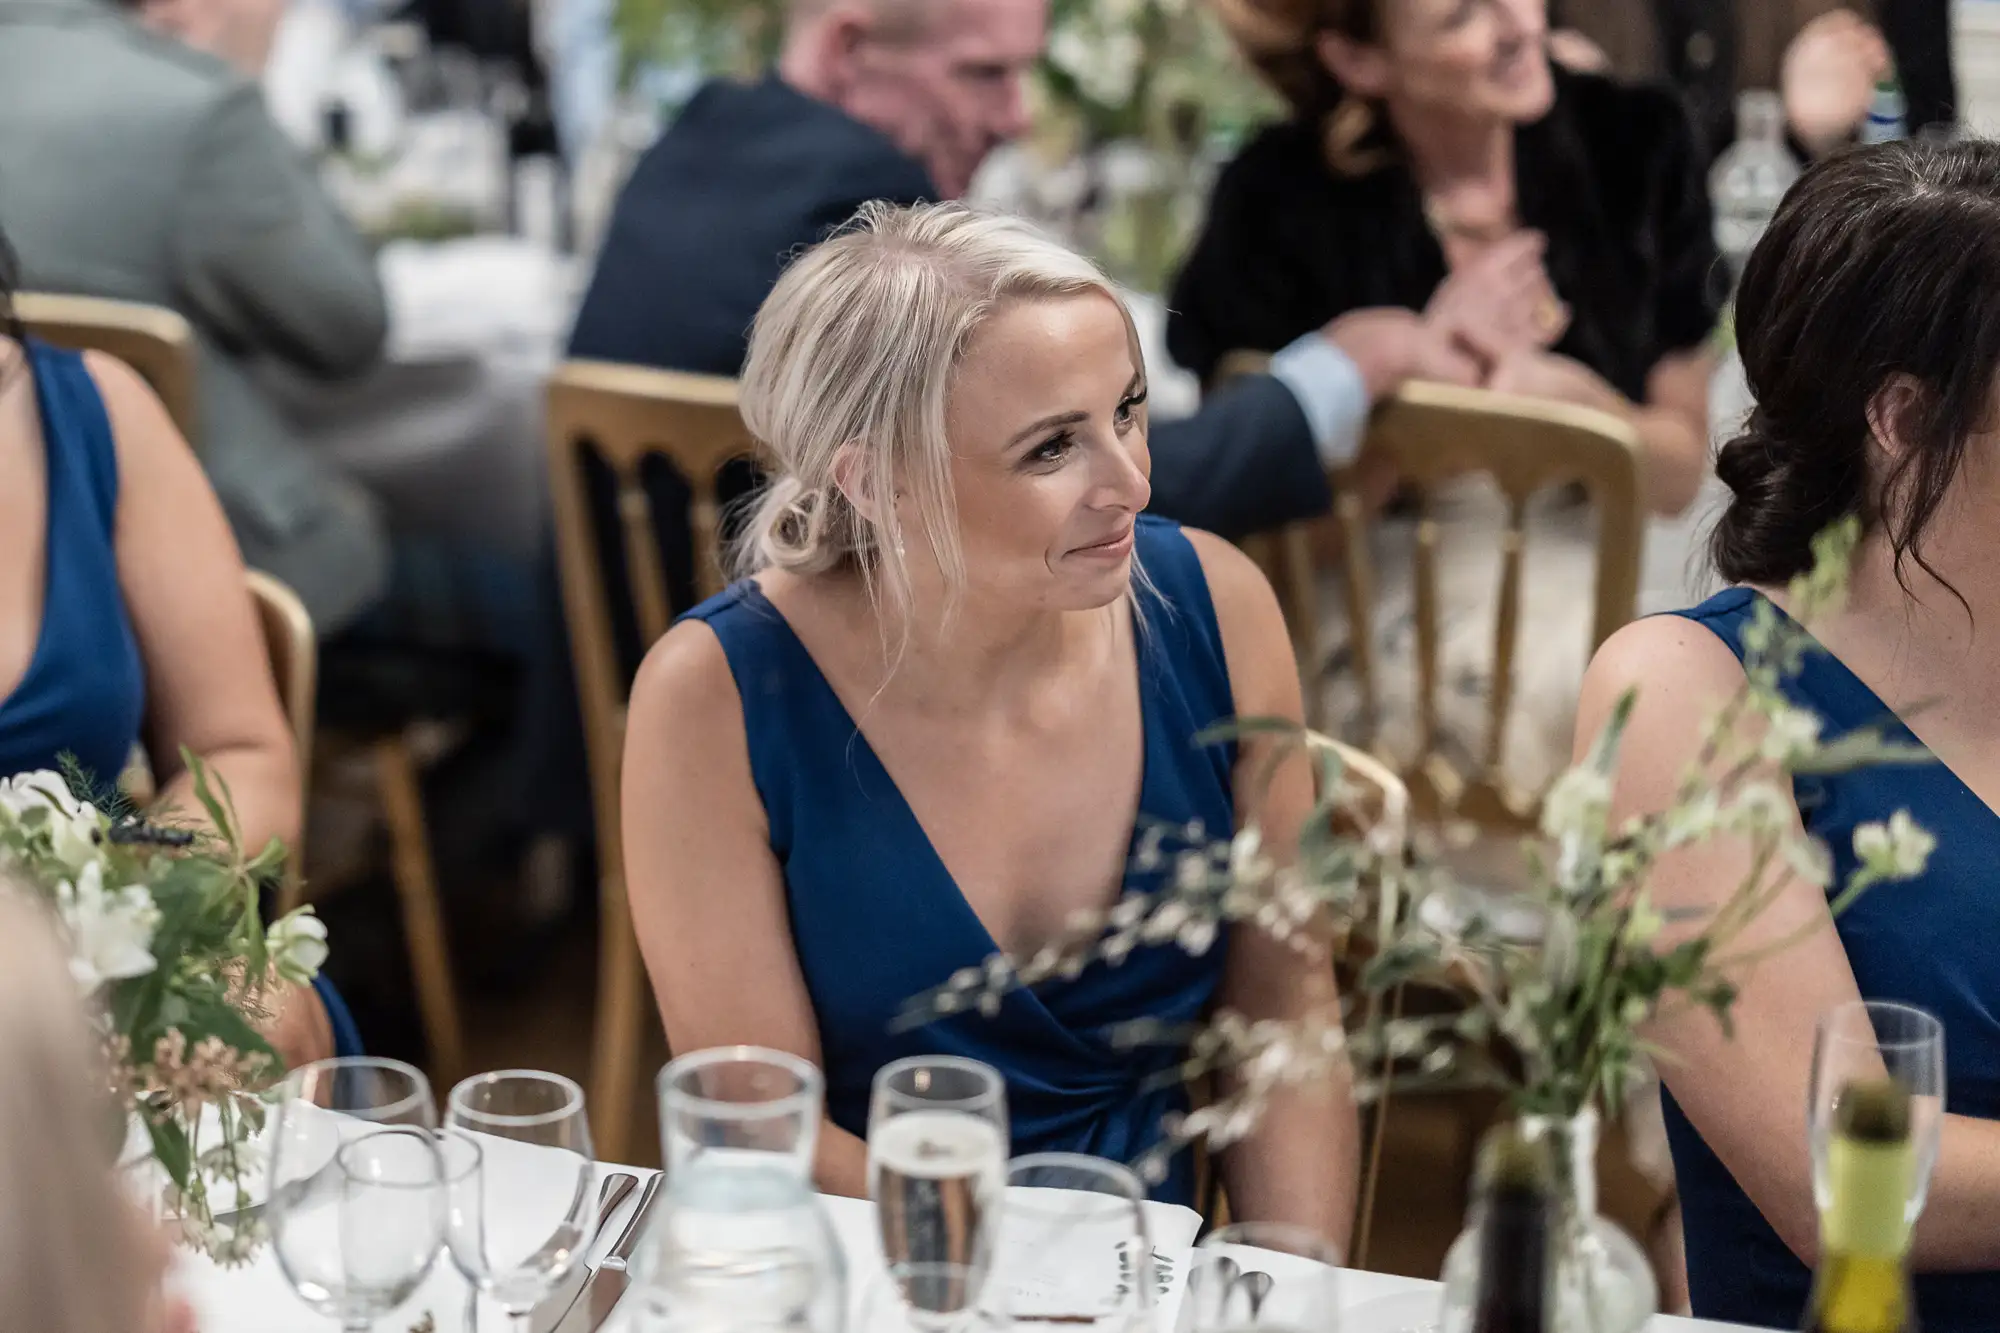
[[864, 749], [1870, 708]]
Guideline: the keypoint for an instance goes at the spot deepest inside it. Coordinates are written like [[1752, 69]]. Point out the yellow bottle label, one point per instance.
[[1871, 1189]]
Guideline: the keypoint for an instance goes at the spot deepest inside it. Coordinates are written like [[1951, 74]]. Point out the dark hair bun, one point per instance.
[[1881, 263], [1781, 498]]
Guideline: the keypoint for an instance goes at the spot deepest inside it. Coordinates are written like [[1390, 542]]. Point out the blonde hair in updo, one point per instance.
[[859, 342]]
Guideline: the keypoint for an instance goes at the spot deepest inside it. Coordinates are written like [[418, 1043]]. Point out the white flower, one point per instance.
[[1577, 805], [1759, 808], [1790, 733], [297, 945], [1810, 860], [73, 826], [110, 930], [1897, 850], [1693, 819], [1197, 937]]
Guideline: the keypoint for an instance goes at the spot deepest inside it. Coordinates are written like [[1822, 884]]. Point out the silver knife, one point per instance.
[[550, 1310], [610, 1279]]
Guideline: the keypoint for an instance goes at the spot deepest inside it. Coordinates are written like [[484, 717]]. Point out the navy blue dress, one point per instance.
[[84, 693], [877, 919], [1927, 942]]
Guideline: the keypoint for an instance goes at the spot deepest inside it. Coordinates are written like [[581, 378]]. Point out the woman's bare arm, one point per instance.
[[707, 895], [1300, 1164], [208, 683], [1745, 1095]]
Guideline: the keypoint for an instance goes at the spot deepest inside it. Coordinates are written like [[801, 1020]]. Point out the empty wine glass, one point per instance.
[[1072, 1244], [1865, 1039], [735, 1100], [1259, 1275], [320, 1192], [517, 1249], [937, 1167]]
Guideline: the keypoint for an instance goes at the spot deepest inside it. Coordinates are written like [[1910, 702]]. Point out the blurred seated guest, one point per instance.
[[951, 605], [1425, 136], [76, 1253], [1869, 324], [902, 100], [1823, 56], [1434, 164], [124, 611], [137, 167]]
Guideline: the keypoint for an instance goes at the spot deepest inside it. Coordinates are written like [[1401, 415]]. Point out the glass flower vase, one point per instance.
[[1603, 1282]]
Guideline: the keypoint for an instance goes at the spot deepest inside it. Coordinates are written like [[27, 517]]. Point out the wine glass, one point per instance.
[[530, 1129], [1072, 1244], [320, 1193], [1262, 1275], [937, 1166], [732, 1101], [1865, 1039]]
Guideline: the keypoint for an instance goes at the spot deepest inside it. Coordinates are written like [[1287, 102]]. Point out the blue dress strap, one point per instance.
[[77, 429], [1178, 613]]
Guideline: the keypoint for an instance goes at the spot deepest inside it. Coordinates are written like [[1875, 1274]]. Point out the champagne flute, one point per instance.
[[1865, 1039], [1072, 1244], [319, 1195], [937, 1166], [518, 1249]]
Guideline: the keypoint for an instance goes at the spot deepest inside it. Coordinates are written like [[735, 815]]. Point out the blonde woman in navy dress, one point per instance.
[[962, 672]]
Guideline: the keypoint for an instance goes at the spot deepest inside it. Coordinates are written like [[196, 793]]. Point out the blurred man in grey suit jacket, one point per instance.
[[135, 166]]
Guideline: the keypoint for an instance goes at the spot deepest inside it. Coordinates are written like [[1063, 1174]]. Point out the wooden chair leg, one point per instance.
[[423, 921], [621, 1015]]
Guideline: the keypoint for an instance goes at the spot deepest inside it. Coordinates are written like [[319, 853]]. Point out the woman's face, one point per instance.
[[1047, 423], [1476, 58]]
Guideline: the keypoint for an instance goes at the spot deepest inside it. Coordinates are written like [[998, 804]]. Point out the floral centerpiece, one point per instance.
[[1552, 1017], [167, 946]]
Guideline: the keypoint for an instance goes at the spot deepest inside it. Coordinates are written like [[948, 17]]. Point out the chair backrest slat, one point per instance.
[[1429, 635], [624, 415], [156, 342], [1434, 434], [1506, 632]]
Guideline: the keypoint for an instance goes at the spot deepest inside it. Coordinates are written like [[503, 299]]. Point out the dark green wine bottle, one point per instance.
[[1516, 1219]]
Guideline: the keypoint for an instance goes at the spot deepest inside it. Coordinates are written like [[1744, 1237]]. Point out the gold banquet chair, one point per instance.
[[1435, 434], [294, 652], [154, 341], [623, 415]]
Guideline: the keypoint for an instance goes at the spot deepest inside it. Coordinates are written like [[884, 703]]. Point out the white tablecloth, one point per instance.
[[256, 1299]]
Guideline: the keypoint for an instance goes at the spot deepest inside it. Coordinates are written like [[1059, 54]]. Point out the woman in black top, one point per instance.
[[1427, 135]]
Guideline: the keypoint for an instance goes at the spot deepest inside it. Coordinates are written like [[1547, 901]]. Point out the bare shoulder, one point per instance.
[[685, 683], [1679, 671], [146, 438], [1233, 577], [1255, 641]]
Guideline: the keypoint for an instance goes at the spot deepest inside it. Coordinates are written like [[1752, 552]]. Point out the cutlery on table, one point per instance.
[[610, 1278], [556, 1304], [1256, 1288]]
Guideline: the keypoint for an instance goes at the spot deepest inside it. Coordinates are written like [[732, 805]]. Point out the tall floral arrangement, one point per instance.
[[1147, 94], [1555, 1015], [168, 949]]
